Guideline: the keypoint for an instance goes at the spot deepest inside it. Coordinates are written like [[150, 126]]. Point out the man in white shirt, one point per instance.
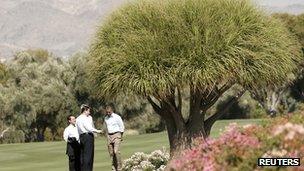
[[85, 125], [115, 129], [71, 136]]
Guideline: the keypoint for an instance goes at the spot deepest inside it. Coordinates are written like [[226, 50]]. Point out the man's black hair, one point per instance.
[[69, 117], [84, 107]]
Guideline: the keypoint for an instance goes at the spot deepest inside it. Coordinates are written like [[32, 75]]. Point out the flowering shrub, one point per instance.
[[156, 161], [239, 148]]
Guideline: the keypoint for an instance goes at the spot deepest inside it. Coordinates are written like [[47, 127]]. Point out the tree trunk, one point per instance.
[[174, 136], [195, 124], [182, 138], [40, 134], [181, 133], [175, 128]]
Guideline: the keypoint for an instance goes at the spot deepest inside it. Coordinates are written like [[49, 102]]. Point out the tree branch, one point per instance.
[[169, 104], [156, 108], [260, 96], [195, 100], [214, 96], [180, 100], [2, 133], [211, 120]]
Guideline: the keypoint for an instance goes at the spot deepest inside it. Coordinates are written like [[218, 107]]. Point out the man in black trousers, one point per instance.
[[71, 136], [85, 126]]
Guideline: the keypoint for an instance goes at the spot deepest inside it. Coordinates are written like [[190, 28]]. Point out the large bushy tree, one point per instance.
[[270, 97], [81, 85], [158, 49], [37, 94], [295, 23]]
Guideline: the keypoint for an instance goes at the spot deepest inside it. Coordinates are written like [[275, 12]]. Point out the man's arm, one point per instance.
[[121, 125], [105, 128], [88, 125], [65, 135]]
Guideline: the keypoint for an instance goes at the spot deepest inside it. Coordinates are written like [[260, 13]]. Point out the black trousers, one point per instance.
[[73, 151], [74, 163], [87, 151]]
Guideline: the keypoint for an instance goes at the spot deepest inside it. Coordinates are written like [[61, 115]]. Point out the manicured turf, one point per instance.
[[50, 156]]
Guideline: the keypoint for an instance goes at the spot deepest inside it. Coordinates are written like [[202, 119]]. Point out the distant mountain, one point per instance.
[[61, 26], [65, 27]]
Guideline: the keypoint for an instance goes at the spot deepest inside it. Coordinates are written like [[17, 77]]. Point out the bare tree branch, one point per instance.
[[211, 120], [174, 109], [180, 102], [156, 108], [215, 95], [2, 133]]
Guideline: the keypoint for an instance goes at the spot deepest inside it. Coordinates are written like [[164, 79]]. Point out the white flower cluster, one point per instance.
[[292, 130], [156, 161], [275, 153]]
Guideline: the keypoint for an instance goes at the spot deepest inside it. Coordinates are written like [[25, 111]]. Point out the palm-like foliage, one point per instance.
[[271, 97], [153, 48], [150, 46]]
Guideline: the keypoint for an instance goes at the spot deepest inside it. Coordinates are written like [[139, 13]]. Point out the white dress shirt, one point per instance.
[[70, 131], [85, 124], [114, 123]]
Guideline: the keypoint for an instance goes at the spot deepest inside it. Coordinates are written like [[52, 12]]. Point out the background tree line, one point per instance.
[[38, 91]]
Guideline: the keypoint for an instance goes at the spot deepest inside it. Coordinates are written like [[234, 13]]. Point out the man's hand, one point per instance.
[[99, 131], [121, 136]]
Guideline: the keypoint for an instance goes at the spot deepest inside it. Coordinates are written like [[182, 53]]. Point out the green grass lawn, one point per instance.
[[50, 156]]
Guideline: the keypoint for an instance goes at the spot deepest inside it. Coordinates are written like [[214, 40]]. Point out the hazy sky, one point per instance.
[[279, 3]]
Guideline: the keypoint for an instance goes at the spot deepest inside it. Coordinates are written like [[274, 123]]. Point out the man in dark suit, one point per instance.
[[71, 136], [86, 128]]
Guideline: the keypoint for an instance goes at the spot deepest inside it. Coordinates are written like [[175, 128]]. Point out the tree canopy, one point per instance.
[[149, 47], [295, 24], [271, 98]]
